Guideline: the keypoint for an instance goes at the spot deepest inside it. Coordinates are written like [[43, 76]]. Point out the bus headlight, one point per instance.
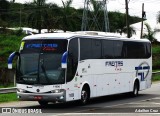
[[21, 90], [57, 91]]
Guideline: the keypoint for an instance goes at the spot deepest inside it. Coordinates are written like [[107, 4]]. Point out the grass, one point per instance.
[[8, 97], [156, 78]]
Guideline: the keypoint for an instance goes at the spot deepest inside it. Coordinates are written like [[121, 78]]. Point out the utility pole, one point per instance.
[[127, 22], [143, 14]]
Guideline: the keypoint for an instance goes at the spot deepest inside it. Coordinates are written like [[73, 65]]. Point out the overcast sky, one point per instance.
[[135, 6]]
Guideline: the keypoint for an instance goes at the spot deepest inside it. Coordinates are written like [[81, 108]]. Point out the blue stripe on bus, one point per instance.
[[146, 67], [141, 68], [64, 58], [10, 59], [138, 68]]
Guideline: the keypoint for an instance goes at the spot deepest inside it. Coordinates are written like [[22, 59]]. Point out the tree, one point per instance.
[[67, 22], [131, 31], [4, 7], [52, 22], [150, 34], [158, 17], [39, 14]]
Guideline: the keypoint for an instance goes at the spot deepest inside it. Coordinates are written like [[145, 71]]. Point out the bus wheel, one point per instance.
[[43, 103], [84, 96], [135, 89]]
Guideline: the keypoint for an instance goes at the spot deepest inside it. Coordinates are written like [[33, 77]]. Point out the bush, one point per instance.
[[9, 44]]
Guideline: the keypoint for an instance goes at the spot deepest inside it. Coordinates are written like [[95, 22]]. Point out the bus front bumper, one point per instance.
[[50, 97]]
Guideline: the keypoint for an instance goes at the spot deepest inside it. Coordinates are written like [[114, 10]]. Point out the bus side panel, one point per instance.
[[83, 75]]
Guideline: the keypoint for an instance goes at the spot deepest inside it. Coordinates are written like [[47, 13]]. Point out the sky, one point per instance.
[[151, 7]]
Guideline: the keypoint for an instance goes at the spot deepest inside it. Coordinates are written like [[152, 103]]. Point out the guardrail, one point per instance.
[[156, 72], [8, 90], [13, 89]]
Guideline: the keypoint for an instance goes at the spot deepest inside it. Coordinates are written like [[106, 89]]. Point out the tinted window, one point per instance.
[[85, 49], [72, 59], [137, 50], [108, 51], [96, 49], [148, 50], [118, 49]]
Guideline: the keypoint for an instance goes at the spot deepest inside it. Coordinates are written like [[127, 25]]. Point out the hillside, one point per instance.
[[9, 44]]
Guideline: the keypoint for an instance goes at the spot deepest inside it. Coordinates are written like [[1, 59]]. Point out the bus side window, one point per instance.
[[148, 50], [72, 59], [107, 47], [85, 49], [96, 49], [118, 49]]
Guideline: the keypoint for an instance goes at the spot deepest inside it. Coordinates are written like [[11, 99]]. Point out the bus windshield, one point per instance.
[[40, 62]]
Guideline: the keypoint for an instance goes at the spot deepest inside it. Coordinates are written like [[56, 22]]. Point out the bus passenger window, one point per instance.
[[108, 52], [118, 51], [96, 49], [85, 49]]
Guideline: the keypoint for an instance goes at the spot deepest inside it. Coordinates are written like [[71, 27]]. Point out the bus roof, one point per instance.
[[69, 35]]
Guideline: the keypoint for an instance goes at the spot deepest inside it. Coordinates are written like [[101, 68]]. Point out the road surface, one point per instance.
[[148, 103]]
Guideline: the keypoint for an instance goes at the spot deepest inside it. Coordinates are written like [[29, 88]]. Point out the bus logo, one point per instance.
[[116, 64], [142, 70]]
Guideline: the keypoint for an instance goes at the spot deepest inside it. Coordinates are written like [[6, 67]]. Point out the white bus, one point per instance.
[[62, 67]]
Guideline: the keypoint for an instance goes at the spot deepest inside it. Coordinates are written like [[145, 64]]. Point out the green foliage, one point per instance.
[[9, 44], [4, 7], [10, 85], [156, 49], [156, 56], [38, 17], [8, 97], [156, 78], [117, 22], [39, 14], [150, 34], [69, 14]]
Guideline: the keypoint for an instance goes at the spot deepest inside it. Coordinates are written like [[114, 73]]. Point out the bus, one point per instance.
[[62, 67]]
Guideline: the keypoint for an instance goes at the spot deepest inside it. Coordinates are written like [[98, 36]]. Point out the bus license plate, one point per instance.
[[37, 97]]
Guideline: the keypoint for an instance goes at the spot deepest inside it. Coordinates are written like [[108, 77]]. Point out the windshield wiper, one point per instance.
[[45, 74]]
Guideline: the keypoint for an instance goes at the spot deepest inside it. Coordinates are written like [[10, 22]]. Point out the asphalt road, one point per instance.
[[147, 103]]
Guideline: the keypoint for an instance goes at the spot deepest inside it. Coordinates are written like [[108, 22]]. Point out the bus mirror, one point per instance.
[[10, 59], [64, 60]]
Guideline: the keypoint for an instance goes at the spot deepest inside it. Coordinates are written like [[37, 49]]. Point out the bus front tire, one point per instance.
[[43, 103], [84, 96]]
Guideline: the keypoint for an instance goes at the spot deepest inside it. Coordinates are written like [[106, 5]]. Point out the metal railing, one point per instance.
[[157, 72], [8, 90]]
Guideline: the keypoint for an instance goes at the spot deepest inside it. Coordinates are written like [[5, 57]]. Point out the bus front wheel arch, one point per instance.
[[85, 94]]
